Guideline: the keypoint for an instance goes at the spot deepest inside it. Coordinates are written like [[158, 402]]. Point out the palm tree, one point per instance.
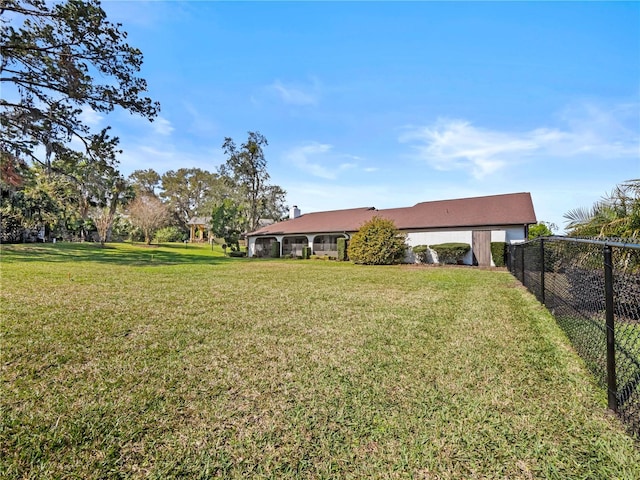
[[615, 215]]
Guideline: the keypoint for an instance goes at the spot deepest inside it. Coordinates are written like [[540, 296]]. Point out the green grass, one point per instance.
[[193, 365]]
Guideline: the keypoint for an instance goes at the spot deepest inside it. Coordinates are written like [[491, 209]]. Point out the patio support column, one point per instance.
[[310, 239]]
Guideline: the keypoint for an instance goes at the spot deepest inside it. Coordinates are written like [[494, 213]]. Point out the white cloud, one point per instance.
[[320, 160], [590, 131], [458, 145], [347, 166], [301, 157], [162, 126], [90, 117], [296, 95]]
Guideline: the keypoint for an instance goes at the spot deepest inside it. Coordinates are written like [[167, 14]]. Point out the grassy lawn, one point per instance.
[[170, 362]]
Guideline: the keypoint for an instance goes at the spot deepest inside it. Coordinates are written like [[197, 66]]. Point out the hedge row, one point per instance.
[[448, 253], [499, 253]]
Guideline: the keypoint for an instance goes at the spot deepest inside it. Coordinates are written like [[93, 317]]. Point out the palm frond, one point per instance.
[[579, 216]]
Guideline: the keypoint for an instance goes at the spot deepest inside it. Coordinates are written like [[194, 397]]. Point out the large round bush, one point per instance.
[[378, 242]]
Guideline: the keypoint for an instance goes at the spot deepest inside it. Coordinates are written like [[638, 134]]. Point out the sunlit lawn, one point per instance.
[[178, 362]]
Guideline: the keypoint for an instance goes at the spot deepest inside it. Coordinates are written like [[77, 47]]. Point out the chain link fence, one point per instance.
[[592, 287]]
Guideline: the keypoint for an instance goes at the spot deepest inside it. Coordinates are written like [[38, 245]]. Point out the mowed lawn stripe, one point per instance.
[[193, 365]]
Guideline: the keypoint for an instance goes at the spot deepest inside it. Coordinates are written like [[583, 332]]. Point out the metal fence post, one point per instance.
[[522, 259], [612, 388], [542, 267]]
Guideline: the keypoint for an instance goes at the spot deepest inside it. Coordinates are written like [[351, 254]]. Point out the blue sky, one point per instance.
[[388, 104]]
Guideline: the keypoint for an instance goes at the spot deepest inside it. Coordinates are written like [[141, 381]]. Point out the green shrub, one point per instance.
[[451, 253], [541, 229], [342, 249], [237, 253], [136, 235], [499, 253], [306, 252], [120, 230], [422, 253], [378, 242], [169, 234], [275, 249]]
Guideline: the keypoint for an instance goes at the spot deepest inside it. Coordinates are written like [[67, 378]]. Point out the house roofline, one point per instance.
[[407, 230]]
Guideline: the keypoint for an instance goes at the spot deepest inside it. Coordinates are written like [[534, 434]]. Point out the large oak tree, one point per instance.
[[246, 171], [58, 59], [190, 192]]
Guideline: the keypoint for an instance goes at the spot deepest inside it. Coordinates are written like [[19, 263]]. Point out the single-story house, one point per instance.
[[476, 221]]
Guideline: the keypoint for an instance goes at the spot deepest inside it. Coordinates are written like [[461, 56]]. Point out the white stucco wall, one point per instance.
[[513, 235], [434, 238], [251, 246], [498, 234]]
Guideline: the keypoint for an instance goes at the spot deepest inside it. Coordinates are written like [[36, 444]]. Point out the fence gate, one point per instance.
[[481, 245]]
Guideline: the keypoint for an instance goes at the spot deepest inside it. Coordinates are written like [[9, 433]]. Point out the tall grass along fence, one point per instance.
[[592, 287]]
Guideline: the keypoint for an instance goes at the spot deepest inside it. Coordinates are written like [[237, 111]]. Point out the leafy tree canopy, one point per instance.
[[145, 181], [189, 192], [63, 204], [58, 59], [227, 222], [245, 171], [542, 229]]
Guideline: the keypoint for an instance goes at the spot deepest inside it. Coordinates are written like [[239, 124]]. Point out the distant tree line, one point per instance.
[[99, 203], [60, 179]]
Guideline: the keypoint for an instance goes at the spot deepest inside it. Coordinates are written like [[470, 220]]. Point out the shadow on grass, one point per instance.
[[114, 253]]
